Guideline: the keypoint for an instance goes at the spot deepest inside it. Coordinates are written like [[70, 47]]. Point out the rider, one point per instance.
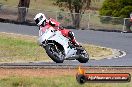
[[42, 21]]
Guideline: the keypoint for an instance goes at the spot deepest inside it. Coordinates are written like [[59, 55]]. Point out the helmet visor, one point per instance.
[[39, 19]]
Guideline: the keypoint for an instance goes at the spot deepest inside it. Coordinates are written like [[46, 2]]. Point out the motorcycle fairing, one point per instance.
[[52, 35]]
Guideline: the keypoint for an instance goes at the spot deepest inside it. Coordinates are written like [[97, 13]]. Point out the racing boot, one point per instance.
[[79, 48]]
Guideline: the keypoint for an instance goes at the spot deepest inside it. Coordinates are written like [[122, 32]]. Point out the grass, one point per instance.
[[97, 3], [13, 48], [20, 48], [60, 81], [35, 4], [97, 24], [55, 77], [45, 4], [9, 2]]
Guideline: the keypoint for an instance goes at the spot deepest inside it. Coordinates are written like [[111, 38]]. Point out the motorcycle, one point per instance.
[[59, 48]]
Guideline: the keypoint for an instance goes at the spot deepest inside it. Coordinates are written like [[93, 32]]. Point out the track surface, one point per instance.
[[121, 41]]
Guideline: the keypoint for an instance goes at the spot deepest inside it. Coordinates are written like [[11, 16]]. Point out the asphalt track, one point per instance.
[[116, 40]]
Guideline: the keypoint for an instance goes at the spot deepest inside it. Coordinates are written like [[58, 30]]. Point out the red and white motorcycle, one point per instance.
[[59, 48]]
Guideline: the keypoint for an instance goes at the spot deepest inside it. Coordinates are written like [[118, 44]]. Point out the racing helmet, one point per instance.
[[40, 19]]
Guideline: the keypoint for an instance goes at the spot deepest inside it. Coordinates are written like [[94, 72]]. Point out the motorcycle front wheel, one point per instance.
[[83, 56], [55, 54]]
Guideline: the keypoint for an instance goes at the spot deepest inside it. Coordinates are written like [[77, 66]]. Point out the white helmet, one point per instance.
[[40, 19]]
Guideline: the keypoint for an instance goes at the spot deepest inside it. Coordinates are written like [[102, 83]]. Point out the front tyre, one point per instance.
[[83, 56], [56, 56]]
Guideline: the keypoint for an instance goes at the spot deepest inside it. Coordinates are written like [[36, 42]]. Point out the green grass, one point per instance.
[[60, 81], [19, 48]]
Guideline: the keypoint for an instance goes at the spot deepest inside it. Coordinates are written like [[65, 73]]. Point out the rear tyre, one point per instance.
[[53, 54]]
